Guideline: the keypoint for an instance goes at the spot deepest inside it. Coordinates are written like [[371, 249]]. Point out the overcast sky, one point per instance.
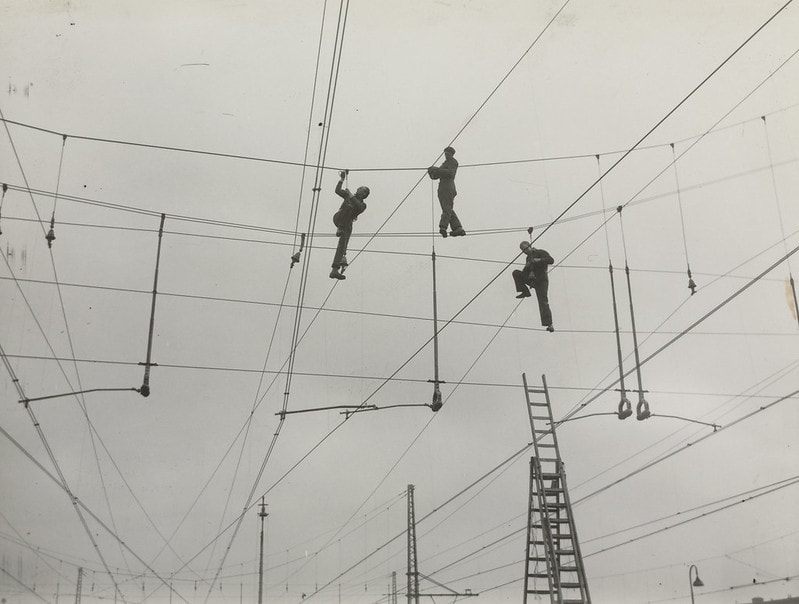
[[213, 113]]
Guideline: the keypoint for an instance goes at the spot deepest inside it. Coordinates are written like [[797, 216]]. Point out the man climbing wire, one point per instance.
[[534, 275], [445, 175], [351, 207]]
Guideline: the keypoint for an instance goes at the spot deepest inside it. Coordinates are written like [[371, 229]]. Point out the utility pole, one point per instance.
[[78, 587], [413, 568], [261, 514]]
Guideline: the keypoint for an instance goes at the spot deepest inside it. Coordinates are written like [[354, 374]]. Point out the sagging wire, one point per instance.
[[691, 282]]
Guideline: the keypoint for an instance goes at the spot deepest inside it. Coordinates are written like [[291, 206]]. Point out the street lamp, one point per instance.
[[696, 582]]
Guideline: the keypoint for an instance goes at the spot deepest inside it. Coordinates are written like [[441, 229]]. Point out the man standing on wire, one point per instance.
[[534, 275], [445, 175], [351, 207]]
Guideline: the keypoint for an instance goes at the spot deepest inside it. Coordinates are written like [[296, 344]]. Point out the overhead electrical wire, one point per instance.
[[305, 164], [326, 120], [79, 398], [646, 135], [81, 507]]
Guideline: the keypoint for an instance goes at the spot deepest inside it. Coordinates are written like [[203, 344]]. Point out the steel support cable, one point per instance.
[[51, 455], [664, 118], [427, 424], [607, 171], [422, 519], [624, 409], [22, 584], [757, 491], [793, 482], [779, 215], [92, 428], [691, 283], [511, 70], [308, 129], [360, 169], [78, 504], [328, 115], [337, 535], [688, 329], [673, 453], [642, 407], [294, 234], [736, 496], [600, 391], [80, 400], [50, 237], [468, 121], [584, 403]]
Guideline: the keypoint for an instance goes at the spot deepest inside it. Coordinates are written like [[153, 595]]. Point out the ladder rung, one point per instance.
[[570, 585], [546, 417], [537, 591], [565, 552], [536, 390]]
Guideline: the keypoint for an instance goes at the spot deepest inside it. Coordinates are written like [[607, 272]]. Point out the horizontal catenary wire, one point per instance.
[[291, 233], [350, 376], [365, 169]]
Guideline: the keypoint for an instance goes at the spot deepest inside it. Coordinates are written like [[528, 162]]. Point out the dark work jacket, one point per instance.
[[537, 270], [445, 175], [351, 207]]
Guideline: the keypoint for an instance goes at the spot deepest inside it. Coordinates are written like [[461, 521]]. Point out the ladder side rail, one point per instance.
[[550, 555], [578, 556]]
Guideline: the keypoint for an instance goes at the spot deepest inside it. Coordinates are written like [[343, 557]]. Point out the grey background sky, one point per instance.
[[234, 83]]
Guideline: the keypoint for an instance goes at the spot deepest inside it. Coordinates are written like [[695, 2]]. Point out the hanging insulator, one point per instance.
[[50, 237], [642, 410], [625, 408], [437, 403], [691, 284], [5, 188], [295, 258]]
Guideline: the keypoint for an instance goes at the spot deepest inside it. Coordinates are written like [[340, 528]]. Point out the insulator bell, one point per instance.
[[642, 410], [437, 404], [625, 408], [691, 286], [50, 237]]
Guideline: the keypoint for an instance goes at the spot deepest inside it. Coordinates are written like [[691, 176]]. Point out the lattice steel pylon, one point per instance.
[[553, 564]]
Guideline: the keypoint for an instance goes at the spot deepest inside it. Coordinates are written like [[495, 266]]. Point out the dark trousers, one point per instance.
[[343, 221], [448, 216], [524, 281]]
